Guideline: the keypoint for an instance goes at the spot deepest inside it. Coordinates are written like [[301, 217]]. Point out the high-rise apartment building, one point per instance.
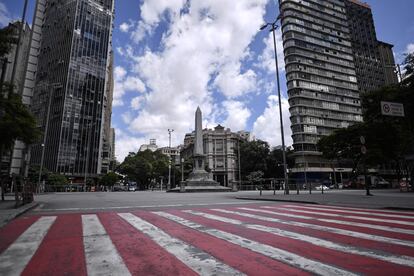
[[374, 61], [320, 72], [331, 55], [70, 92]]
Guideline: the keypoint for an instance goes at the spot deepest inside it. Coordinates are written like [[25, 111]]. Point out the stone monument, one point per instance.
[[199, 179]]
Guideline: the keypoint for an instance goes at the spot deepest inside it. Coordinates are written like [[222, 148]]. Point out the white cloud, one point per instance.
[[5, 17], [124, 83], [125, 26], [267, 126], [267, 58], [237, 115], [201, 49], [233, 83], [409, 48], [126, 143], [136, 103], [127, 117]]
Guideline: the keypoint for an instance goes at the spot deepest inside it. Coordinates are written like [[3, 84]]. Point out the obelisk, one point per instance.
[[199, 180]]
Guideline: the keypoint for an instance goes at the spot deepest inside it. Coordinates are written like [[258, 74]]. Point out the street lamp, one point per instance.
[[169, 161], [272, 29]]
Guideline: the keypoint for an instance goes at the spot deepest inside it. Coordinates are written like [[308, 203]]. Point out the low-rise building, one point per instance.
[[152, 146], [221, 150]]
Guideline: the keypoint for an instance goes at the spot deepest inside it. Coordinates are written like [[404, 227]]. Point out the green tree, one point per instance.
[[6, 41], [109, 179], [253, 156], [57, 181], [144, 167], [16, 122]]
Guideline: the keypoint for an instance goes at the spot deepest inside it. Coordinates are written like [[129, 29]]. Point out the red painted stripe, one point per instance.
[[389, 234], [361, 220], [349, 213], [11, 231], [61, 252], [141, 255], [351, 262], [242, 259], [337, 238]]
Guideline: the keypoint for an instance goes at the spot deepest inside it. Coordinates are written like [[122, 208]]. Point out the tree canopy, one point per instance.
[[145, 166], [256, 156]]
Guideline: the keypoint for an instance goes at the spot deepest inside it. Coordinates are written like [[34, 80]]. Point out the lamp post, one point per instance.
[[169, 161], [272, 29], [182, 169]]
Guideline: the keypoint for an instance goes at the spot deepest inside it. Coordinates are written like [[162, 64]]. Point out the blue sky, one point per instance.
[[172, 55]]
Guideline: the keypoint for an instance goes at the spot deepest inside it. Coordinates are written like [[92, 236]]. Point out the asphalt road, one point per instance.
[[105, 201]]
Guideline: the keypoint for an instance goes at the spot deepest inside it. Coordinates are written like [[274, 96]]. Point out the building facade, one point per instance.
[[152, 146], [108, 149], [330, 59], [320, 72], [221, 151], [70, 90], [374, 61], [14, 160]]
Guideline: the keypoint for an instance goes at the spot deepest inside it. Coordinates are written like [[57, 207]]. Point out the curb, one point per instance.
[[19, 211], [282, 200]]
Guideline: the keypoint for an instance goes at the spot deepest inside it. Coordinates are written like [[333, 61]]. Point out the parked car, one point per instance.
[[405, 185], [132, 188], [320, 187], [119, 188]]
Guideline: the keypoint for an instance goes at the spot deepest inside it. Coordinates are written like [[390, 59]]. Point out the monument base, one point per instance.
[[200, 186]]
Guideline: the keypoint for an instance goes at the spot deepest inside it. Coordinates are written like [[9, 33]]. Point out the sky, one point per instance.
[[174, 55]]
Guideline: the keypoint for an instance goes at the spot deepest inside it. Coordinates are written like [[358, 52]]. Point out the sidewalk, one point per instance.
[[8, 212], [381, 199]]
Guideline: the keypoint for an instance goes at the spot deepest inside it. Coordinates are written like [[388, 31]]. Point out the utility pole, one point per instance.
[[169, 161], [272, 29]]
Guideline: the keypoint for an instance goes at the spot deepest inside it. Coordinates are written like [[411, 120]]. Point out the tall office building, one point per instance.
[[330, 59], [70, 90], [13, 160]]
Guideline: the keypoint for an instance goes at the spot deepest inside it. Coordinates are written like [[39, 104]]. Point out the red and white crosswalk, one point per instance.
[[266, 239]]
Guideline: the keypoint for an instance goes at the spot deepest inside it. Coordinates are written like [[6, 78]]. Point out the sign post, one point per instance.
[[392, 109]]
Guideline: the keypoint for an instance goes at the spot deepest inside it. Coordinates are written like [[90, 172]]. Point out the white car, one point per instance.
[[320, 187]]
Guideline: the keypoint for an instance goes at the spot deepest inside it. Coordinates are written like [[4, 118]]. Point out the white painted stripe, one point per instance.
[[359, 209], [102, 258], [15, 258], [328, 229], [267, 250], [344, 222], [401, 260], [350, 211], [351, 217], [198, 260]]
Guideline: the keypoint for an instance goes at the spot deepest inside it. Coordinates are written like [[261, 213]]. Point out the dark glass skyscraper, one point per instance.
[[329, 62], [70, 87]]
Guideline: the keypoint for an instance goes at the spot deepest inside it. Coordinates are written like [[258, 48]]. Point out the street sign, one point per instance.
[[363, 150], [392, 109], [362, 140]]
